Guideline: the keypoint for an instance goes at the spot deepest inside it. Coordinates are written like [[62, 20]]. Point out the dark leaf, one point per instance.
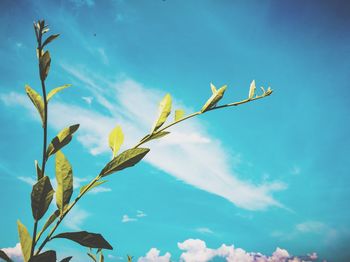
[[62, 139], [66, 259], [4, 256], [50, 39], [44, 64], [47, 256], [126, 159], [86, 239], [41, 197]]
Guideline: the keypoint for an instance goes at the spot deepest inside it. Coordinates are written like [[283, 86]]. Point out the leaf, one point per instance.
[[86, 239], [48, 222], [4, 256], [25, 240], [126, 159], [50, 39], [116, 139], [179, 113], [94, 185], [62, 139], [41, 197], [44, 65], [64, 177], [155, 135], [215, 97], [102, 258], [164, 111], [39, 173], [93, 257], [252, 90], [66, 259], [56, 90], [37, 101], [47, 256]]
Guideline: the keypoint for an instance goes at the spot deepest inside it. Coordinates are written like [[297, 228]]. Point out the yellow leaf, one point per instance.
[[25, 240], [179, 113], [116, 139], [56, 90], [164, 111], [215, 97], [37, 101], [252, 90]]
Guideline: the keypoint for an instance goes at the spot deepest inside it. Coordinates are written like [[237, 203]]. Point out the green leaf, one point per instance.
[[48, 222], [62, 139], [37, 101], [86, 239], [25, 240], [155, 135], [102, 258], [66, 259], [116, 139], [44, 65], [252, 90], [126, 159], [64, 177], [47, 256], [94, 185], [179, 113], [164, 111], [215, 97], [41, 197], [93, 257], [56, 90], [50, 39], [4, 256], [39, 173]]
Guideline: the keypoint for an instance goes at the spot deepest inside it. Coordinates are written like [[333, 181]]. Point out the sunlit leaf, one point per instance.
[[64, 177], [39, 174], [47, 256], [164, 111], [62, 139], [86, 239], [93, 186], [4, 256], [252, 89], [44, 65], [37, 101], [116, 139], [66, 259], [48, 222], [25, 240], [56, 90], [41, 197], [215, 97], [179, 113], [126, 159], [130, 258], [50, 39]]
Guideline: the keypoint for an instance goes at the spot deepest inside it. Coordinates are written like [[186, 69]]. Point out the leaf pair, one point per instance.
[[39, 102], [215, 97]]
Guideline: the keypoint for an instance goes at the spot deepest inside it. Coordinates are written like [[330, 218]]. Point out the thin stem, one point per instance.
[[34, 235]]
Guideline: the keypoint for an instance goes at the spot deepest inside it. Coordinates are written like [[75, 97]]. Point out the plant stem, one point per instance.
[[34, 236]]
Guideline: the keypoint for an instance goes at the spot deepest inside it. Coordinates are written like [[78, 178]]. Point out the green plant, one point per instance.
[[42, 192]]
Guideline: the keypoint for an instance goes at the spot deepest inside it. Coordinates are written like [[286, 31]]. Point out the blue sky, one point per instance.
[[271, 173]]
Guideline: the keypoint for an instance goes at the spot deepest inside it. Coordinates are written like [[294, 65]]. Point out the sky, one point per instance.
[[269, 177]]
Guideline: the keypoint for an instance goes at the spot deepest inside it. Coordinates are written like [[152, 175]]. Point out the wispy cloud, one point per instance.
[[133, 106], [26, 179], [204, 230], [126, 219], [140, 213], [80, 3], [75, 218]]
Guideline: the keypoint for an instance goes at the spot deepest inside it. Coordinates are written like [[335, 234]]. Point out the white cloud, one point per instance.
[[204, 230], [311, 227], [15, 253], [75, 218], [197, 250], [134, 107], [140, 213], [80, 3], [126, 219], [153, 256], [87, 99]]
